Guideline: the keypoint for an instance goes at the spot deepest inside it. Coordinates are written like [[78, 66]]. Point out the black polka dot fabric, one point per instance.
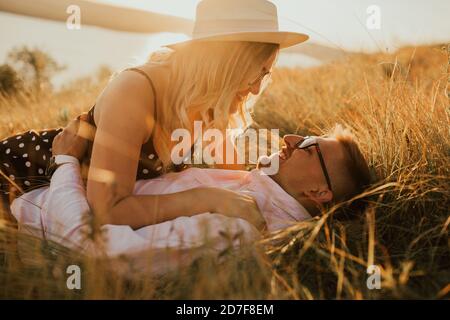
[[23, 160]]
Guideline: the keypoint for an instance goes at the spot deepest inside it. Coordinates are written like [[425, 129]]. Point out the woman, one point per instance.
[[208, 79]]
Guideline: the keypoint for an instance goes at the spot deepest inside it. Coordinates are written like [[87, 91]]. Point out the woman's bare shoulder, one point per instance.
[[130, 85], [127, 98], [126, 92]]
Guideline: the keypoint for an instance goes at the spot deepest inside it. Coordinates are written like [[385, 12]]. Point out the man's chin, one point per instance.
[[267, 161]]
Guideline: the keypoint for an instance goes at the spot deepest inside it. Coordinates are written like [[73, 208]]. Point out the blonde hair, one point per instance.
[[205, 77]]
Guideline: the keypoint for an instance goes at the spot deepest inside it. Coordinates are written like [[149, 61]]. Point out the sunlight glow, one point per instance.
[[179, 8]]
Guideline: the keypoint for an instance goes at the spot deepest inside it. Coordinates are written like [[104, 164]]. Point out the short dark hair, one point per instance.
[[356, 169]]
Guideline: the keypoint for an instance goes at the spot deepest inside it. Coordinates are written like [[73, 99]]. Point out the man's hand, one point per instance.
[[236, 205], [73, 140]]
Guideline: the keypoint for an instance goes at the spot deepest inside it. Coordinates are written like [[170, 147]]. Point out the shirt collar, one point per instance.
[[277, 195]]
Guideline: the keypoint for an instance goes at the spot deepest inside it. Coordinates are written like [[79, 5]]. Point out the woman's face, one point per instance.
[[254, 85]]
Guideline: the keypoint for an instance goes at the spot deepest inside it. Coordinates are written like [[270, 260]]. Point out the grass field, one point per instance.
[[398, 107]]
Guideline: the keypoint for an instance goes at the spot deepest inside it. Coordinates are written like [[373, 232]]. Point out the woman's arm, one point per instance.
[[142, 210]]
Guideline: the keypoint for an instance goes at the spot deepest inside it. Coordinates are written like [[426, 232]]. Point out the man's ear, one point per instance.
[[320, 196]]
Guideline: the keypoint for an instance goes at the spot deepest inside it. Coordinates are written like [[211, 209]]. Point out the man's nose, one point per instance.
[[292, 140]]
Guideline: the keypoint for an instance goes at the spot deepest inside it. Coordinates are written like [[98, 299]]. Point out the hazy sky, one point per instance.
[[335, 23], [343, 22]]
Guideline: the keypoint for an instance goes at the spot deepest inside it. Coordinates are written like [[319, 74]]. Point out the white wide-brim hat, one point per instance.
[[240, 20]]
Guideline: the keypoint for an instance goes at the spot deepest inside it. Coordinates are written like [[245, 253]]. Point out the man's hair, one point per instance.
[[356, 174]]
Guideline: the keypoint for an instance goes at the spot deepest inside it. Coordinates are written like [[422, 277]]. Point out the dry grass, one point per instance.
[[397, 105]]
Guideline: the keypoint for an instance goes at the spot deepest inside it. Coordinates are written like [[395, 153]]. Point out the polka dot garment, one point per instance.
[[24, 158]]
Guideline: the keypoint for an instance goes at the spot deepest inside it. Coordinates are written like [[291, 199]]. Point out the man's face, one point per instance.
[[300, 172]]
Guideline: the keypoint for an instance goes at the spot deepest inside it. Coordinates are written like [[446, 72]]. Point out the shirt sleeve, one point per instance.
[[65, 211]]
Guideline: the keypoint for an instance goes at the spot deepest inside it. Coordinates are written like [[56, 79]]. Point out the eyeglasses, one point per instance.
[[263, 75], [312, 142]]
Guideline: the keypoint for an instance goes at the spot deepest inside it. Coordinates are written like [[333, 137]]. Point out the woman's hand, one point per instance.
[[73, 140], [237, 205]]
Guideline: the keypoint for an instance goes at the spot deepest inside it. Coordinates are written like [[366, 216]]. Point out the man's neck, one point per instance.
[[308, 204]]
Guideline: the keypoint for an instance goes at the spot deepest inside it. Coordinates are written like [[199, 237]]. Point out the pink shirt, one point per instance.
[[60, 213]]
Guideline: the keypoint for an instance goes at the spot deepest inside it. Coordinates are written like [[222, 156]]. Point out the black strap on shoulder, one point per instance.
[[91, 115], [151, 84], [91, 111]]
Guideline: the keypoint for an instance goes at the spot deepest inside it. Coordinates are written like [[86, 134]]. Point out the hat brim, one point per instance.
[[283, 38]]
